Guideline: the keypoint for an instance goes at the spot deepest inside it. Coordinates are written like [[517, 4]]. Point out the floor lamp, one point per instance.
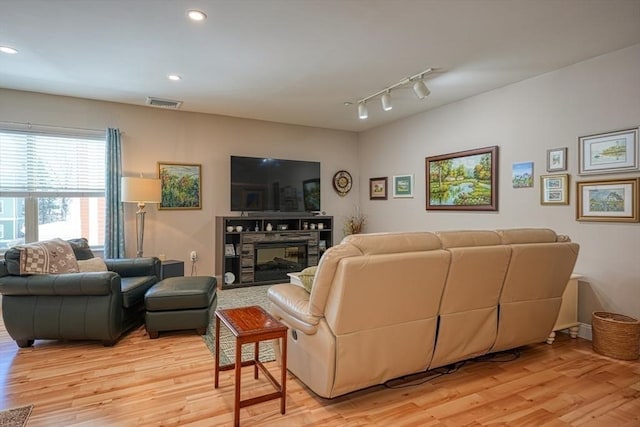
[[140, 191]]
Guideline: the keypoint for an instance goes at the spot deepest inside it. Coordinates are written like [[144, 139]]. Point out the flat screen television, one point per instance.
[[274, 185]]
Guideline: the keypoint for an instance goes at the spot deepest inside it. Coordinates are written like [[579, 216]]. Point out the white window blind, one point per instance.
[[36, 164]]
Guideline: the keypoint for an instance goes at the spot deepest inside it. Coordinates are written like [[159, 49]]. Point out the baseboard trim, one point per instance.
[[585, 331]]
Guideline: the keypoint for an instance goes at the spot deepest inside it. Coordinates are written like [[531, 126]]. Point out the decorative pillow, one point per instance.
[[81, 248], [53, 256], [306, 277], [92, 265]]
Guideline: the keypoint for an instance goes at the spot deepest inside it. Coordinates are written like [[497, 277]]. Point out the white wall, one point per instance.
[[152, 135], [524, 120]]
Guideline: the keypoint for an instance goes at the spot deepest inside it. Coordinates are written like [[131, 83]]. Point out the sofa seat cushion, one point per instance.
[[134, 288], [181, 293]]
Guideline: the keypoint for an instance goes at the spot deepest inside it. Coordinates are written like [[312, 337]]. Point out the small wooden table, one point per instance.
[[252, 325]]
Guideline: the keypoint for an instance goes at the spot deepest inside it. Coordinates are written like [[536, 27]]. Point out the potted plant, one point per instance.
[[354, 223]]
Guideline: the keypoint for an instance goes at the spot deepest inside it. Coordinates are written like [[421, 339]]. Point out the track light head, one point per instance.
[[386, 101], [363, 113], [420, 88]]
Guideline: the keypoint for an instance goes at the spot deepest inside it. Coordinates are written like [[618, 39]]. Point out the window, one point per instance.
[[51, 185]]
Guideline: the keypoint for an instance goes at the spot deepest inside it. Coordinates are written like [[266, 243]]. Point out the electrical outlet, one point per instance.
[[194, 256]]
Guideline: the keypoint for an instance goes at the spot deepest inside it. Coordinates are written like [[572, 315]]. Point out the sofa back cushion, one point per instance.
[[469, 238], [374, 291], [390, 243], [468, 311], [362, 244], [532, 292]]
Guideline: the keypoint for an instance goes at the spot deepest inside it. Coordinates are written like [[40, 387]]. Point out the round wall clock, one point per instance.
[[342, 182]]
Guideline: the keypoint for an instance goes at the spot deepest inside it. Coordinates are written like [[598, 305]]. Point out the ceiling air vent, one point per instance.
[[163, 103]]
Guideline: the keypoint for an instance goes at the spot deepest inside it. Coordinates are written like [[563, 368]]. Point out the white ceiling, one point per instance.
[[298, 61]]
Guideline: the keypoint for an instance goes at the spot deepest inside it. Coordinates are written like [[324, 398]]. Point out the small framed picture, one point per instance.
[[557, 159], [614, 200], [403, 186], [611, 152], [554, 189], [378, 188], [522, 175], [229, 250]]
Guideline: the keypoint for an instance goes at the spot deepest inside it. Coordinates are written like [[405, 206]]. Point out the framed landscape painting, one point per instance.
[[402, 186], [181, 185], [464, 181], [611, 152], [614, 200]]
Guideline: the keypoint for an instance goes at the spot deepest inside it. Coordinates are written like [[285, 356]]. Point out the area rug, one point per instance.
[[231, 298], [15, 417]]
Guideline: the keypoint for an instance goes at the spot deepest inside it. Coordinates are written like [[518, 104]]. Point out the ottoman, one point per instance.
[[180, 303]]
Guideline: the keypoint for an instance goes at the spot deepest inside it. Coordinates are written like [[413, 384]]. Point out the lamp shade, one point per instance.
[[141, 190]]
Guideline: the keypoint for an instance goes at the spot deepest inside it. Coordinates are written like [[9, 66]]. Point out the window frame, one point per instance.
[[31, 196]]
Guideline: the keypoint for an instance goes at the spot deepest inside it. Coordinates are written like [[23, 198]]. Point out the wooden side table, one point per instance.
[[252, 325], [568, 315], [171, 268]]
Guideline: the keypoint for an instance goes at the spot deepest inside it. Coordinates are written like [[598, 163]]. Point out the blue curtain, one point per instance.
[[114, 223]]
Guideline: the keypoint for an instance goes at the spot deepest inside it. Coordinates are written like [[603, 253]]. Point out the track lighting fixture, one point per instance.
[[386, 101], [362, 110], [419, 87]]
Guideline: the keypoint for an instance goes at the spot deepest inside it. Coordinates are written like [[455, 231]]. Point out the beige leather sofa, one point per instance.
[[391, 304]]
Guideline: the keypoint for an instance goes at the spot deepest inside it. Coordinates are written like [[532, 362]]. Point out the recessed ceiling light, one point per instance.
[[196, 15], [9, 50], [174, 77]]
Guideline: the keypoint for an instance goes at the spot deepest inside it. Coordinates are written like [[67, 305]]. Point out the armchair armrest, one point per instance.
[[86, 284], [290, 303], [134, 267]]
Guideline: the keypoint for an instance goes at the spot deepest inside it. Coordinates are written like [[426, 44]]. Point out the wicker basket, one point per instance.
[[615, 335]]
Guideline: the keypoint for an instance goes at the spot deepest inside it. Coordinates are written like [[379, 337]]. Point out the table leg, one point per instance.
[[236, 407], [283, 379], [217, 355], [256, 357]]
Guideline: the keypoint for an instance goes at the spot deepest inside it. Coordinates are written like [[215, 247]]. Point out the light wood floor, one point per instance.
[[169, 381]]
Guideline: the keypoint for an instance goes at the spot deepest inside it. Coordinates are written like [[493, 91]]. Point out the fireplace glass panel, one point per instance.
[[274, 260]]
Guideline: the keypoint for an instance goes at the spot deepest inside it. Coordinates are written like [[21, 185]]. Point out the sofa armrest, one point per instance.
[[86, 284], [3, 268], [290, 303], [135, 267]]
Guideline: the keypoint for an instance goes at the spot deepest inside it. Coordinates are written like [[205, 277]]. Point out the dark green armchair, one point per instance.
[[76, 306]]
